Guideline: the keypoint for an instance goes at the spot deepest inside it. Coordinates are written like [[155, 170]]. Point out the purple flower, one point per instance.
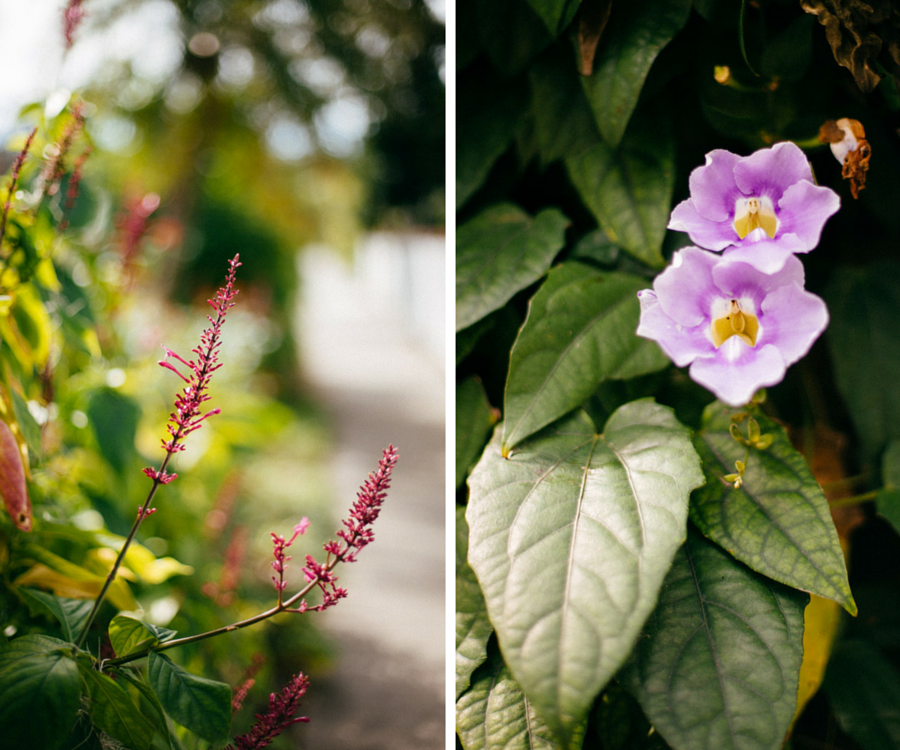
[[765, 206], [737, 327]]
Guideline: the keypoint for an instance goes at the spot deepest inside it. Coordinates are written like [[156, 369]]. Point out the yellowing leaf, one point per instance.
[[820, 626]]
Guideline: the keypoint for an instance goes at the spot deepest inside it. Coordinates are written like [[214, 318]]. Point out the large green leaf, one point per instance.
[[128, 634], [620, 724], [570, 538], [40, 692], [500, 252], [474, 419], [629, 189], [71, 613], [718, 664], [556, 14], [201, 705], [778, 522], [472, 625], [864, 691], [494, 714], [865, 314], [512, 35], [563, 122], [630, 44], [113, 711], [494, 110], [580, 331]]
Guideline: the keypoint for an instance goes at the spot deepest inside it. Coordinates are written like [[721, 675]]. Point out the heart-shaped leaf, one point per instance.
[[472, 625], [570, 538], [500, 252], [201, 705], [629, 189], [719, 660], [580, 331], [778, 522]]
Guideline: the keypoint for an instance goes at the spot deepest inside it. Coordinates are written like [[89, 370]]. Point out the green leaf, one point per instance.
[[472, 625], [495, 110], [31, 430], [864, 306], [201, 705], [629, 189], [40, 691], [888, 500], [718, 663], [114, 418], [474, 420], [113, 711], [500, 252], [580, 331], [563, 121], [630, 44], [150, 703], [778, 523], [620, 723], [71, 613], [128, 634], [556, 14], [864, 692], [512, 34], [570, 538], [494, 714]]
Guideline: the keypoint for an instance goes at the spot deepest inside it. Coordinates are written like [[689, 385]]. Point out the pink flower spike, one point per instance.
[[301, 527], [281, 715]]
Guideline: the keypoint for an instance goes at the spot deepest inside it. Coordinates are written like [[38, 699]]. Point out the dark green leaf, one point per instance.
[[778, 522], [718, 664], [630, 44], [494, 714], [500, 252], [888, 499], [864, 691], [556, 14], [564, 124], [114, 418], [620, 723], [580, 331], [71, 613], [113, 711], [150, 705], [472, 625], [494, 112], [629, 190], [201, 705], [787, 55], [865, 313], [474, 419], [570, 538], [40, 692], [128, 634], [512, 34]]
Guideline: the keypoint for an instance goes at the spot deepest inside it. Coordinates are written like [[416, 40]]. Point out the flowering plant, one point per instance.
[[674, 395]]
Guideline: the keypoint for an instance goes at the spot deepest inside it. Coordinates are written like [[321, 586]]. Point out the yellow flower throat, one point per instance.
[[734, 322], [754, 214]]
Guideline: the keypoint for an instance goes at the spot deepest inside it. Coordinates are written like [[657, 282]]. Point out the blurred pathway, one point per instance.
[[373, 352]]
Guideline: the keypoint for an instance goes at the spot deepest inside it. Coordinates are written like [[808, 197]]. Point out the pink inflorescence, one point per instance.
[[72, 16], [279, 545], [187, 416], [279, 717], [355, 535]]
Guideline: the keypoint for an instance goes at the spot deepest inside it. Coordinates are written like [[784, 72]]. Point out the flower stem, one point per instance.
[[121, 556]]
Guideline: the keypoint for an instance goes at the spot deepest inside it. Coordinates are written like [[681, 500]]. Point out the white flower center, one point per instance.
[[754, 213]]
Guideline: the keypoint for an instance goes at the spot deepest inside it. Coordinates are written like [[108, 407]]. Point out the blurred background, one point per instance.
[[308, 136]]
